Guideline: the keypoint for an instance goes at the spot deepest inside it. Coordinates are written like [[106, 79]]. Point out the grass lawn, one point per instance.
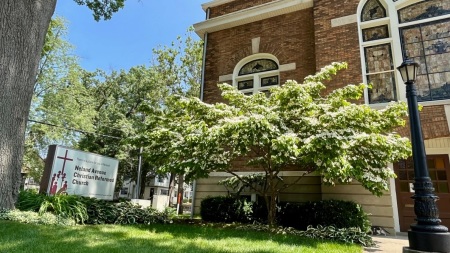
[[18, 237]]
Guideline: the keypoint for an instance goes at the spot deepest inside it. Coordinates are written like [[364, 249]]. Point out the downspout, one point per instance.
[[202, 88]]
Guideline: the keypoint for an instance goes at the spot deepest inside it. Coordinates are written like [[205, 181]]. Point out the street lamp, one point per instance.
[[427, 235]]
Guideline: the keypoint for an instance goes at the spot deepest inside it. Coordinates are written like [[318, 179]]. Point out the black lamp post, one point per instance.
[[427, 235]]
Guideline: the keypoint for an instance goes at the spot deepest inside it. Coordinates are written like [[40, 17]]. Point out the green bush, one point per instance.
[[106, 212], [90, 210], [336, 213], [226, 209], [31, 217], [347, 235], [62, 205], [69, 206], [99, 211], [128, 213], [30, 200]]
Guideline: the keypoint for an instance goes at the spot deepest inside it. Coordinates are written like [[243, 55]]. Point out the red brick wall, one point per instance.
[[235, 6], [434, 123], [339, 43], [288, 37], [306, 38]]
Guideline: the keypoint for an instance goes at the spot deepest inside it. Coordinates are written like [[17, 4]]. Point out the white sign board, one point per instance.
[[81, 173]]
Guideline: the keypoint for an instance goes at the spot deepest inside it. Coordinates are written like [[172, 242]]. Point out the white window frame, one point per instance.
[[256, 77]]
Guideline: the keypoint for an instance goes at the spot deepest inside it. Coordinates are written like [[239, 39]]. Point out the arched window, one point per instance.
[[373, 9], [377, 49], [256, 74]]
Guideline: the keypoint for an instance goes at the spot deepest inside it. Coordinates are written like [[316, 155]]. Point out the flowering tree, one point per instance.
[[295, 128]]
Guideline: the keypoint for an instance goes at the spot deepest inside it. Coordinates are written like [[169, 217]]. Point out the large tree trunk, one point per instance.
[[23, 25]]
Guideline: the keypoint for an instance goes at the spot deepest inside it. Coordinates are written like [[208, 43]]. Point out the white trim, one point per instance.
[[250, 58], [435, 102], [255, 76], [393, 192], [246, 173], [396, 50], [421, 21], [255, 45], [447, 114], [372, 23], [214, 3], [371, 43], [224, 78], [250, 15], [288, 67], [438, 151], [350, 19], [404, 3], [446, 102]]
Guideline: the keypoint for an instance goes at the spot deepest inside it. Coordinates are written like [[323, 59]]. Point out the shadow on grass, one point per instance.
[[17, 237]]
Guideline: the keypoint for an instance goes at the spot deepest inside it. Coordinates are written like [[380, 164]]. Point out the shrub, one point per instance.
[[128, 213], [347, 235], [106, 212], [226, 209], [69, 206], [90, 210], [99, 211], [31, 217], [30, 200], [337, 213]]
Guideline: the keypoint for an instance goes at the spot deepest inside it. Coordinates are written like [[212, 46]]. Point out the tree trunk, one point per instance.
[[171, 188], [272, 205], [180, 193], [23, 25], [143, 184]]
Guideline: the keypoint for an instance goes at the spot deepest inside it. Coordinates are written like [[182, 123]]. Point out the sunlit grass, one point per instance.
[[17, 237]]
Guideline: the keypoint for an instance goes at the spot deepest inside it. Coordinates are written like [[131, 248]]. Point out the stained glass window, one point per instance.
[[257, 75], [269, 81], [429, 45], [375, 33], [247, 84], [257, 66], [380, 73], [373, 9], [424, 10]]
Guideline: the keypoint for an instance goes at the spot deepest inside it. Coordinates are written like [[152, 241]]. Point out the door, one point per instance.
[[439, 169]]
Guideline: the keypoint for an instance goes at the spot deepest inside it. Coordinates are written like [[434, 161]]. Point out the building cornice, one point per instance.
[[215, 3], [253, 14]]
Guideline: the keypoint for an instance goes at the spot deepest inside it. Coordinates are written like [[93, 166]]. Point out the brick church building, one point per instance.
[[256, 44]]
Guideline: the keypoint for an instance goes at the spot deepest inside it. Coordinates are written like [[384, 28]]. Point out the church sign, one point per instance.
[[77, 172]]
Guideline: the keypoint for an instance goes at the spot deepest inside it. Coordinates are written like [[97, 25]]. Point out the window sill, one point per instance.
[[425, 103]]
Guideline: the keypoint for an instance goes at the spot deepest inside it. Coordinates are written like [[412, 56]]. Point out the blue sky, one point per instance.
[[128, 38]]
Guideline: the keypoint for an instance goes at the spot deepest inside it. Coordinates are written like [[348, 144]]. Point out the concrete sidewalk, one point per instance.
[[389, 243]]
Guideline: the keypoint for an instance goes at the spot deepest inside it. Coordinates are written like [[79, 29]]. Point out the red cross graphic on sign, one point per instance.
[[65, 159]]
